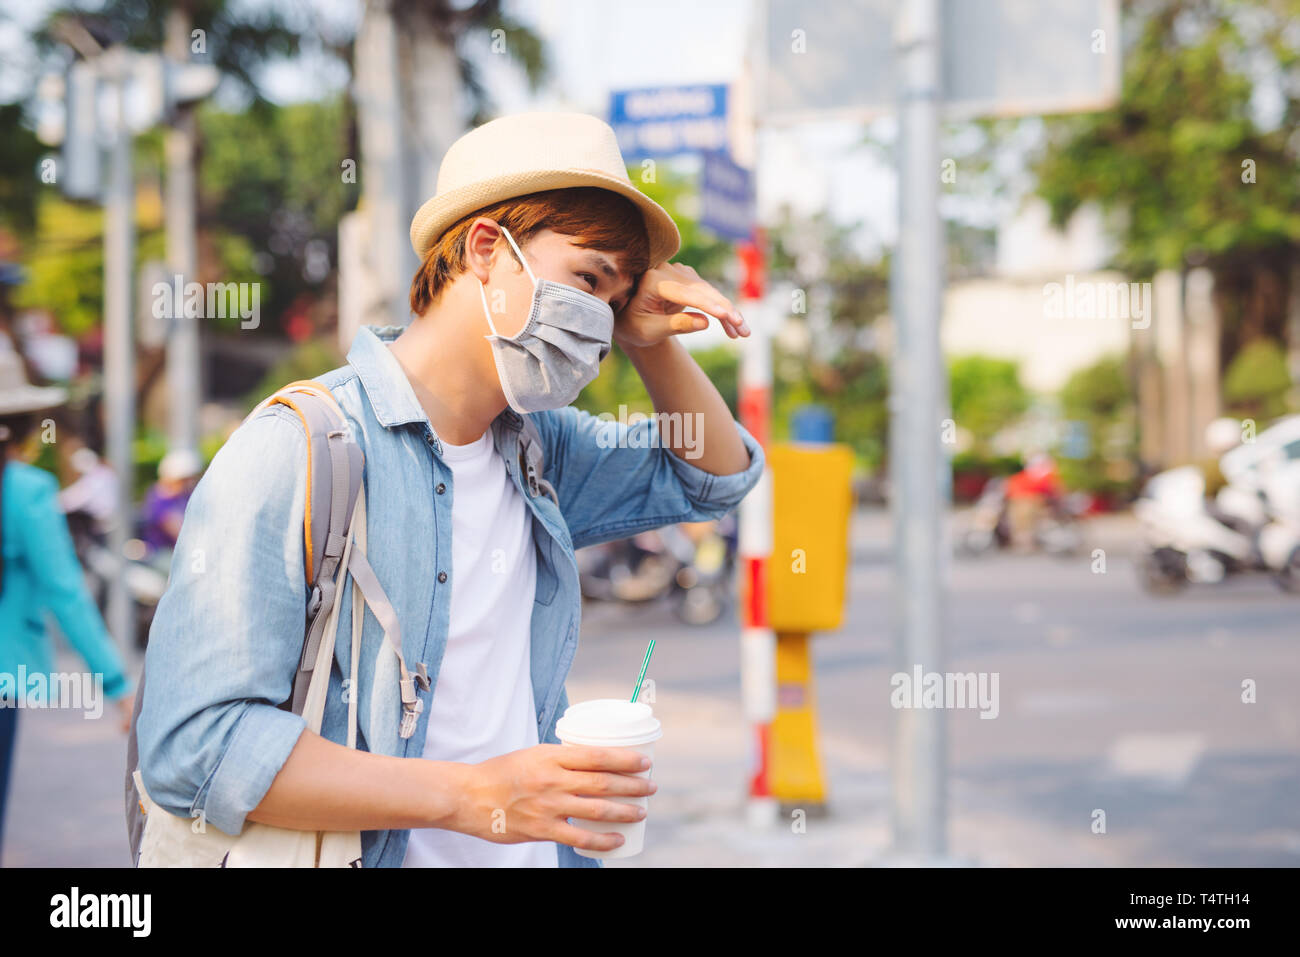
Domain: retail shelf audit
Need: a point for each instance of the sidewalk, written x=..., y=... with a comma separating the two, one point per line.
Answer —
x=695, y=822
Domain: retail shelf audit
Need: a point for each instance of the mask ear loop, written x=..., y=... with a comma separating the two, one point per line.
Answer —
x=482, y=294
x=522, y=261
x=482, y=287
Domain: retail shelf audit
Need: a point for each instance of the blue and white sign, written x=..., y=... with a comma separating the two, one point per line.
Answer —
x=726, y=197
x=662, y=121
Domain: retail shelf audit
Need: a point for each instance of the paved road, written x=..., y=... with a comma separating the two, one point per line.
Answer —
x=1109, y=699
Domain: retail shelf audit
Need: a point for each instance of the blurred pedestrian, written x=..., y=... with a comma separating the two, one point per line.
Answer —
x=93, y=492
x=164, y=505
x=1030, y=493
x=39, y=571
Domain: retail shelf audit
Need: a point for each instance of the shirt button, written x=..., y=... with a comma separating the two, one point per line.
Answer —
x=441, y=488
x=442, y=576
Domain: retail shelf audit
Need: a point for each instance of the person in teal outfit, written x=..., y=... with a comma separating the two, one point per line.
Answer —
x=40, y=574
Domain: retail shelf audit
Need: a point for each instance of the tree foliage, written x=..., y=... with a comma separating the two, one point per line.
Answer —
x=1257, y=382
x=986, y=396
x=1188, y=163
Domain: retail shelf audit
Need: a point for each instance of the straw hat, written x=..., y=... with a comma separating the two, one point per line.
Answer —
x=528, y=152
x=19, y=395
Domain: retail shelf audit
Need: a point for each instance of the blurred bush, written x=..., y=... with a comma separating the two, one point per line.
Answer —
x=986, y=397
x=1257, y=382
x=1100, y=396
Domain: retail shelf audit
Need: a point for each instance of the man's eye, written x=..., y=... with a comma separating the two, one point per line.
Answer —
x=590, y=277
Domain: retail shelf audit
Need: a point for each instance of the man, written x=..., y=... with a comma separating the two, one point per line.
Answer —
x=1029, y=495
x=536, y=252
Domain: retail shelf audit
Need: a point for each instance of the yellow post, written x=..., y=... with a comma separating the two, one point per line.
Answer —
x=812, y=503
x=796, y=766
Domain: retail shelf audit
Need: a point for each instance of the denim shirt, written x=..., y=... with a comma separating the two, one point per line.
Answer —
x=228, y=632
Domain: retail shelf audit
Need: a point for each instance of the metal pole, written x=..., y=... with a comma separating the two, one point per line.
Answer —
x=119, y=375
x=184, y=368
x=917, y=407
x=757, y=639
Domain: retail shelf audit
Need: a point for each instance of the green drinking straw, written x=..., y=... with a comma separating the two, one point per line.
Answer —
x=650, y=650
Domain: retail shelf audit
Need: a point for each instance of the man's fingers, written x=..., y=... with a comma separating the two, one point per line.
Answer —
x=687, y=322
x=594, y=809
x=702, y=296
x=605, y=783
x=566, y=833
x=583, y=758
x=698, y=294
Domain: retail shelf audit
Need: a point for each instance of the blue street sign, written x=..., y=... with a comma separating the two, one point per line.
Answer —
x=726, y=197
x=1076, y=443
x=662, y=121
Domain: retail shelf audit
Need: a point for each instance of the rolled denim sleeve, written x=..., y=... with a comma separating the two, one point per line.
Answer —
x=614, y=480
x=228, y=632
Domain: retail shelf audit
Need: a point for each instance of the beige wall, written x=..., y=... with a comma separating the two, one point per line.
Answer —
x=1007, y=318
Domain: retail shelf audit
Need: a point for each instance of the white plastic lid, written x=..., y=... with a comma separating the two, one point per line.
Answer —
x=608, y=722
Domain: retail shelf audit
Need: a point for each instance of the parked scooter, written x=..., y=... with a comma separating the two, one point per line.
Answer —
x=692, y=566
x=1252, y=524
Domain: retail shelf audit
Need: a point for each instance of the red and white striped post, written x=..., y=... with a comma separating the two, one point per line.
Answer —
x=757, y=640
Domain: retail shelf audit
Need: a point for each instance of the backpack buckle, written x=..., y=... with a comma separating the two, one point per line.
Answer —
x=314, y=602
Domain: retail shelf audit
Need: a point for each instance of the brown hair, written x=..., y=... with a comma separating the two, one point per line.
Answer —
x=596, y=218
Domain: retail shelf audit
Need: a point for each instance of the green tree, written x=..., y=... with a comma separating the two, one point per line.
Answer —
x=1100, y=397
x=837, y=295
x=20, y=152
x=270, y=199
x=1257, y=381
x=237, y=38
x=1192, y=174
x=986, y=397
x=65, y=265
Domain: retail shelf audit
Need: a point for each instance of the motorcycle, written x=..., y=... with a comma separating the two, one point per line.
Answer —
x=1056, y=532
x=690, y=565
x=1251, y=525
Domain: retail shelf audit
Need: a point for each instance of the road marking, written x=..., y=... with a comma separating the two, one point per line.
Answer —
x=1165, y=758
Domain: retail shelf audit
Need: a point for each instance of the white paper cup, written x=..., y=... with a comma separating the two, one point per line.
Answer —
x=613, y=723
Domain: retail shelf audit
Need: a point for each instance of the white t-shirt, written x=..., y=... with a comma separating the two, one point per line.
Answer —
x=483, y=700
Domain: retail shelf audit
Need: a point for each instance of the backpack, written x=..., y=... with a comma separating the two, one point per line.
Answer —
x=335, y=467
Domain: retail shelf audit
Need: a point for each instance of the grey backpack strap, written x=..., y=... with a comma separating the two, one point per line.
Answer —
x=134, y=812
x=332, y=494
x=335, y=469
x=335, y=466
x=532, y=454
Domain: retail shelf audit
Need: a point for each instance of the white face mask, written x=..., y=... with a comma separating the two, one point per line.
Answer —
x=558, y=351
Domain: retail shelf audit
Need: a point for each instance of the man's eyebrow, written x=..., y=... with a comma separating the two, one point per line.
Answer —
x=597, y=261
x=602, y=263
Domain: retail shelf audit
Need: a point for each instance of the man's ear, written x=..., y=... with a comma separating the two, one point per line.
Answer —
x=480, y=247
